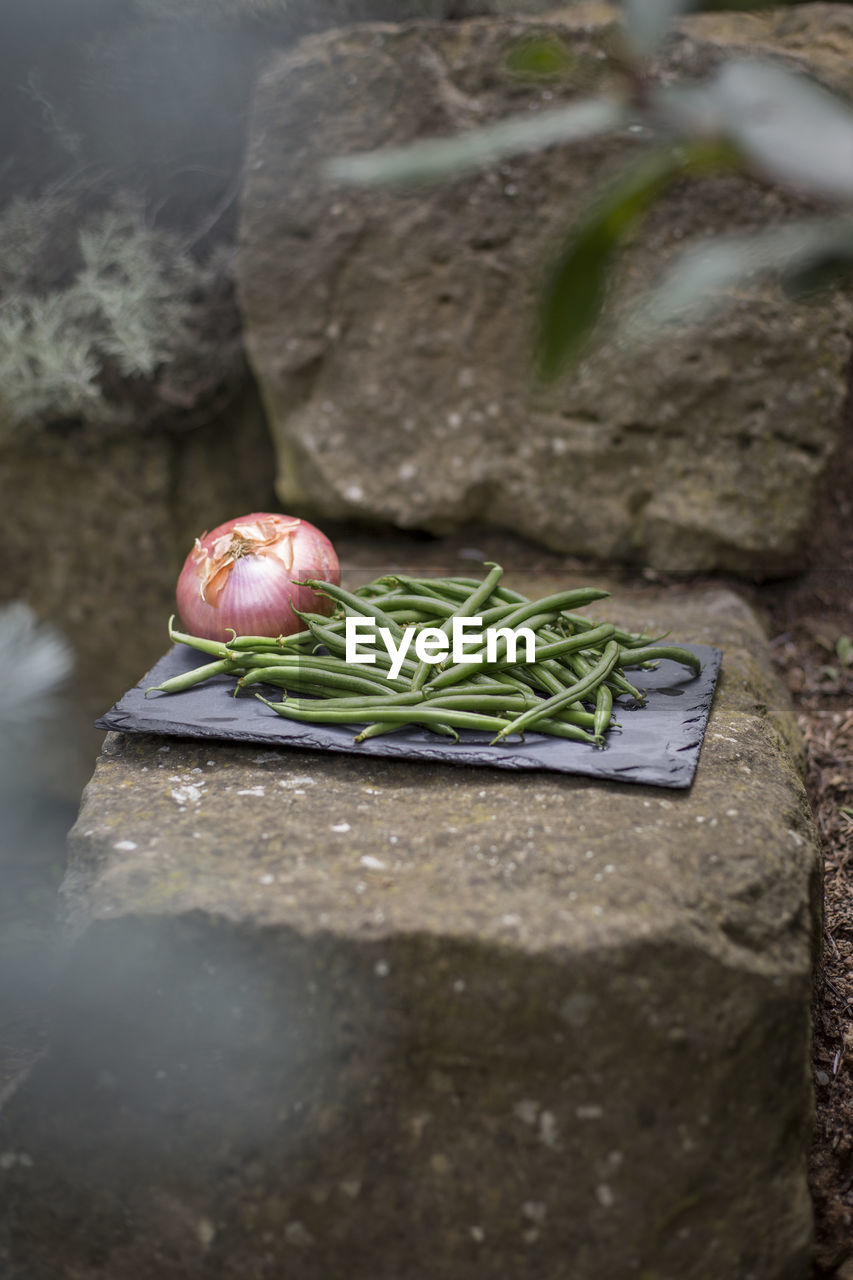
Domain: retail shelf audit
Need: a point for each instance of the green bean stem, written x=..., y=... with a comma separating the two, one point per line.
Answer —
x=656, y=652
x=451, y=675
x=356, y=605
x=601, y=669
x=419, y=714
x=467, y=609
x=186, y=680
x=380, y=726
x=319, y=677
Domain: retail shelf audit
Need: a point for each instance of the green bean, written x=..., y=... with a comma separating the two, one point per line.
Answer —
x=501, y=675
x=328, y=636
x=616, y=681
x=653, y=653
x=301, y=661
x=572, y=643
x=567, y=729
x=418, y=714
x=625, y=638
x=422, y=588
x=323, y=679
x=603, y=710
x=485, y=702
x=551, y=727
x=456, y=587
x=375, y=588
x=214, y=647
x=427, y=605
x=355, y=604
x=540, y=677
x=380, y=727
x=336, y=625
x=450, y=675
x=381, y=659
x=461, y=702
x=555, y=603
x=536, y=613
x=474, y=644
x=238, y=643
x=547, y=676
x=186, y=680
x=436, y=587
x=602, y=668
x=365, y=702
x=482, y=685
x=403, y=617
x=336, y=644
x=467, y=609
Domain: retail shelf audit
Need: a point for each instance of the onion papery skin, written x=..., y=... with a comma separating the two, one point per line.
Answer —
x=240, y=577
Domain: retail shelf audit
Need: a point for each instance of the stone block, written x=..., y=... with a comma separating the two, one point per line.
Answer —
x=390, y=330
x=386, y=1020
x=96, y=529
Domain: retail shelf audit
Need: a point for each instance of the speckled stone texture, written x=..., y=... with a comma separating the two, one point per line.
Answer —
x=327, y=1017
x=390, y=330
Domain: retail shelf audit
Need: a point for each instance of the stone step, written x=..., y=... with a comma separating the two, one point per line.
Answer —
x=385, y=1020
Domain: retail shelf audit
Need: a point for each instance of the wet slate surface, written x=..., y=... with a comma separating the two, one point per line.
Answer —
x=657, y=744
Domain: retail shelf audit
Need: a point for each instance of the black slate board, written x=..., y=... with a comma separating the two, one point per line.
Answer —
x=658, y=745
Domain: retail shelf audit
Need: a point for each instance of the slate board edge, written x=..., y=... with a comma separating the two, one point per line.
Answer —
x=676, y=769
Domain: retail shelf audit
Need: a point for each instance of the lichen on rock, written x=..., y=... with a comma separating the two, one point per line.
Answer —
x=105, y=319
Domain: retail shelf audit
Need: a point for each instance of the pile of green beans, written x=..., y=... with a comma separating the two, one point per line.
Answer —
x=568, y=690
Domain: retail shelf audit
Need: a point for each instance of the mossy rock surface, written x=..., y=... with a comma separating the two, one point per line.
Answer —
x=325, y=1016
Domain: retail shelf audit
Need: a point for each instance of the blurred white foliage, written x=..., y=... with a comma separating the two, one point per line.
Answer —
x=40, y=661
x=126, y=303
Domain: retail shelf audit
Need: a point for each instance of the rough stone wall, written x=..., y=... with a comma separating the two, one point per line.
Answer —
x=390, y=331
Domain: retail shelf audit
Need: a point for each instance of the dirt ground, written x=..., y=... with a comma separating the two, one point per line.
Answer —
x=810, y=621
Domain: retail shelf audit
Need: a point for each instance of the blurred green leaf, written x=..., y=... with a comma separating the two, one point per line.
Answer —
x=647, y=22
x=541, y=57
x=447, y=157
x=576, y=286
x=844, y=650
x=789, y=129
x=703, y=276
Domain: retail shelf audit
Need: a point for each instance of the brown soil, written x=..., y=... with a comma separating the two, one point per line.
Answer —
x=809, y=620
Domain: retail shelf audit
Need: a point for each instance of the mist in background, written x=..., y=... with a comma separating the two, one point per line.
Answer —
x=103, y=104
x=37, y=664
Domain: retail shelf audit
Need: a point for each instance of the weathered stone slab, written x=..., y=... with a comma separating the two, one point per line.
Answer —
x=332, y=1017
x=390, y=331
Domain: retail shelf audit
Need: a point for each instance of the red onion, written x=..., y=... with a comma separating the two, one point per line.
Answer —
x=242, y=574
